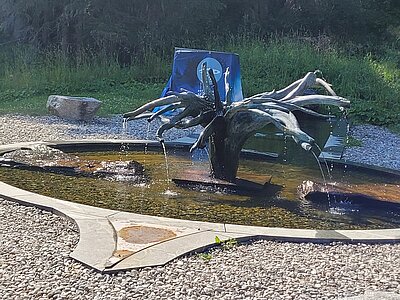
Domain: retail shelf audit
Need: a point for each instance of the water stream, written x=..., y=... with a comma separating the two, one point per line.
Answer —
x=147, y=138
x=320, y=167
x=325, y=162
x=125, y=126
x=168, y=190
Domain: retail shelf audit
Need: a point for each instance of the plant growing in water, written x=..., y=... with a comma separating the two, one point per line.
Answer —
x=227, y=125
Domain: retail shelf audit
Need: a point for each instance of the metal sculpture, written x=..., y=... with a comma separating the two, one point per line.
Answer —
x=227, y=125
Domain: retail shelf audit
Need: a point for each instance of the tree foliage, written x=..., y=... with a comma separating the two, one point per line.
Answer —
x=130, y=27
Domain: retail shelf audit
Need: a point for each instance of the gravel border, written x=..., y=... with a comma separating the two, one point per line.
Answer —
x=35, y=247
x=20, y=128
x=380, y=147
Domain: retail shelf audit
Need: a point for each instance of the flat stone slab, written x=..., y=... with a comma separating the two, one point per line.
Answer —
x=133, y=237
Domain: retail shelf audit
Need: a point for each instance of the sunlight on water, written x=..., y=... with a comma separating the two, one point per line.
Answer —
x=276, y=208
x=170, y=193
x=342, y=207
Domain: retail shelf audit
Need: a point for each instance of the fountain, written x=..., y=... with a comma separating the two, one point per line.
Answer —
x=240, y=178
x=228, y=125
x=242, y=186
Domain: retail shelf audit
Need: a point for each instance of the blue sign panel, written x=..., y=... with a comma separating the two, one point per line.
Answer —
x=187, y=69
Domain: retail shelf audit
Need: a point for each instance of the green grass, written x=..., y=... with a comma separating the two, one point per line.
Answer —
x=353, y=142
x=372, y=83
x=26, y=84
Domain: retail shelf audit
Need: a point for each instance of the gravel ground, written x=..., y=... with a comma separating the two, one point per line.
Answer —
x=34, y=249
x=379, y=147
x=16, y=128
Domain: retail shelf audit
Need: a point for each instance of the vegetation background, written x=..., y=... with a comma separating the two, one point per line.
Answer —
x=121, y=51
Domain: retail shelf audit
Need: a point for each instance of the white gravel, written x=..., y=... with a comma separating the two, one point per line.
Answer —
x=34, y=264
x=17, y=128
x=34, y=249
x=379, y=147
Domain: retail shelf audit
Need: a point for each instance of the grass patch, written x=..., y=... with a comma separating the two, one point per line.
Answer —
x=27, y=80
x=353, y=142
x=372, y=83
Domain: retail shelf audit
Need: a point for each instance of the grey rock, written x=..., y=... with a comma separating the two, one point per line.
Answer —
x=73, y=108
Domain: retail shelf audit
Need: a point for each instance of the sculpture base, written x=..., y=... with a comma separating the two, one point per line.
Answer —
x=200, y=179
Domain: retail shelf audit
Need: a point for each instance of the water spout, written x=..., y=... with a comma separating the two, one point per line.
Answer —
x=326, y=163
x=125, y=126
x=162, y=142
x=306, y=146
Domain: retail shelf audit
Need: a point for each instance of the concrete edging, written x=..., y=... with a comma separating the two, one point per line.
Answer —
x=99, y=241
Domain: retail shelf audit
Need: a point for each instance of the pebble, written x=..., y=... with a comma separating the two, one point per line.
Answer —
x=34, y=247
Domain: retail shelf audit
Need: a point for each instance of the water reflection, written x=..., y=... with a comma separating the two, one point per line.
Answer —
x=279, y=205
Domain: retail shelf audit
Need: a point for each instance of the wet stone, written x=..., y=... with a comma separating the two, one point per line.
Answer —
x=43, y=158
x=145, y=234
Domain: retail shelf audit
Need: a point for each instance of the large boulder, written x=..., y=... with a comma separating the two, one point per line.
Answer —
x=73, y=108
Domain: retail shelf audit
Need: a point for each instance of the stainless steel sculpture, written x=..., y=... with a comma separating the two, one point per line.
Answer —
x=227, y=125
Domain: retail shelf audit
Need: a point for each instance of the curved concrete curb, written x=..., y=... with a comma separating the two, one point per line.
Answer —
x=99, y=240
x=101, y=247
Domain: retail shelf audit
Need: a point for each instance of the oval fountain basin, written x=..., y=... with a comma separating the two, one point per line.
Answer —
x=278, y=205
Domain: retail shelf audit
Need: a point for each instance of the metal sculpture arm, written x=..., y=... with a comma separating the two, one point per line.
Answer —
x=193, y=106
x=227, y=125
x=274, y=107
